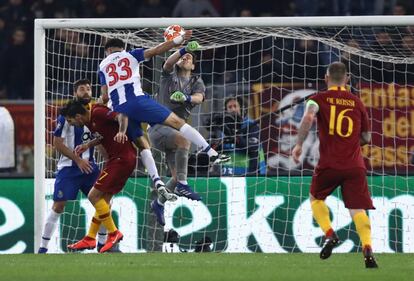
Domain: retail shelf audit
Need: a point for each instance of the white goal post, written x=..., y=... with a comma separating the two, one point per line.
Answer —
x=247, y=29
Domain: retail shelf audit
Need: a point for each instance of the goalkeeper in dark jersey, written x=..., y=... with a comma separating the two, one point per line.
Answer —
x=343, y=127
x=180, y=91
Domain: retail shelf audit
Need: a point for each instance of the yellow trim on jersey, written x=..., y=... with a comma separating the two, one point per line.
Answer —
x=337, y=88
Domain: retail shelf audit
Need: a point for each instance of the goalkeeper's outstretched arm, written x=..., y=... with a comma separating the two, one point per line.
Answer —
x=168, y=66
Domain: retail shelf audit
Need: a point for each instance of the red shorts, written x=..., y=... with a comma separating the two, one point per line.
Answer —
x=353, y=182
x=115, y=174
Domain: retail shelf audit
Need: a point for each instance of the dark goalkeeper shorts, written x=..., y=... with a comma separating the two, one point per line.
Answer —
x=115, y=174
x=353, y=182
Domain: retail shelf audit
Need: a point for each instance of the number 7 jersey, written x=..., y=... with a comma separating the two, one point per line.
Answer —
x=341, y=119
x=120, y=72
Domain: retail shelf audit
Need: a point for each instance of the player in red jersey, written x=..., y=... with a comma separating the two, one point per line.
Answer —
x=110, y=131
x=343, y=127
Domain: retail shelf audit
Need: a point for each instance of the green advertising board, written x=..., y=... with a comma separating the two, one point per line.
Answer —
x=239, y=215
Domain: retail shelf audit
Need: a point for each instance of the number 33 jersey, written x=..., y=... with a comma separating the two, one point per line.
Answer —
x=120, y=73
x=341, y=119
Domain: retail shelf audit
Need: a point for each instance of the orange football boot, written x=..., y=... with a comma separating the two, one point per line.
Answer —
x=112, y=239
x=86, y=243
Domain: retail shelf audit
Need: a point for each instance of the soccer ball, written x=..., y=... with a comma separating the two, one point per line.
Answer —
x=173, y=31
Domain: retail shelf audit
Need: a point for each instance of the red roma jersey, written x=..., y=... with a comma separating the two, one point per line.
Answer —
x=103, y=122
x=341, y=119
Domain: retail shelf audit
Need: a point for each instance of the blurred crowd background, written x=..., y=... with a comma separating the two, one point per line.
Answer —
x=227, y=71
x=16, y=22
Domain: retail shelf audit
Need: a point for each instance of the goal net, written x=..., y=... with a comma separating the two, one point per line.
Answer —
x=259, y=201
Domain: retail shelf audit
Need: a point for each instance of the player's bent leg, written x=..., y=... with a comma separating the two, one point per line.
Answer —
x=158, y=210
x=181, y=159
x=363, y=228
x=189, y=133
x=59, y=206
x=50, y=225
x=320, y=212
x=195, y=137
x=174, y=121
x=149, y=163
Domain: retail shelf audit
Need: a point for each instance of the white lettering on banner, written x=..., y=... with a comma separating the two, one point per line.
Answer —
x=239, y=227
x=305, y=233
x=127, y=213
x=380, y=222
x=14, y=219
x=200, y=214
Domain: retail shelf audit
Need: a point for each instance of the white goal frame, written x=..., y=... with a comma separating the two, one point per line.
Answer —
x=40, y=66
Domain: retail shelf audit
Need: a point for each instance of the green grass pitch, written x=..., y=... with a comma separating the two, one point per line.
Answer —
x=207, y=266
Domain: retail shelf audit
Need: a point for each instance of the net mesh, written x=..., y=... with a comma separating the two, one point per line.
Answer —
x=264, y=207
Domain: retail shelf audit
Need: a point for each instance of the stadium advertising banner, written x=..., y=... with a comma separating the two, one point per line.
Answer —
x=391, y=111
x=239, y=214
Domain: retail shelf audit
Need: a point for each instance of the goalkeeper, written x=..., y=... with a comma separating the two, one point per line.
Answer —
x=180, y=91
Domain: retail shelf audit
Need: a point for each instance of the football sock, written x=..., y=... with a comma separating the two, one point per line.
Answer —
x=102, y=234
x=321, y=214
x=170, y=185
x=104, y=214
x=363, y=227
x=181, y=163
x=149, y=163
x=49, y=228
x=93, y=228
x=195, y=137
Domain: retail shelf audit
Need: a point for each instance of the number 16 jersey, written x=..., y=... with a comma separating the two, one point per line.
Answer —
x=120, y=72
x=341, y=119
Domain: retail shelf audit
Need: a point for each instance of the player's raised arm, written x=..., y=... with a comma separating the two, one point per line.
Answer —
x=191, y=46
x=166, y=46
x=305, y=126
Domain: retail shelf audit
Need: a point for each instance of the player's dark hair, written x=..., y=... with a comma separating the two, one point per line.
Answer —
x=114, y=43
x=72, y=108
x=81, y=82
x=238, y=99
x=193, y=55
x=337, y=72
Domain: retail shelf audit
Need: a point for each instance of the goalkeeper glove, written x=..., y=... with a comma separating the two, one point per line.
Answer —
x=179, y=97
x=192, y=46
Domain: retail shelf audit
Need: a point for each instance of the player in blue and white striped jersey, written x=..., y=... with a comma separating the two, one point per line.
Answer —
x=121, y=88
x=74, y=172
